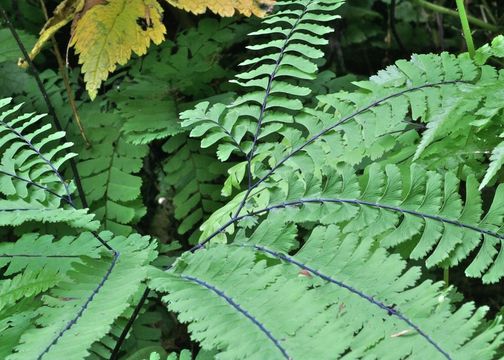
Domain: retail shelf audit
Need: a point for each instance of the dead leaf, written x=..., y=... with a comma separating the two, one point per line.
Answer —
x=225, y=7
x=107, y=35
x=401, y=333
x=62, y=15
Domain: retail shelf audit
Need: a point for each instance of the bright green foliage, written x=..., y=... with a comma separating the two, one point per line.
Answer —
x=14, y=322
x=103, y=348
x=31, y=251
x=225, y=291
x=252, y=293
x=109, y=172
x=456, y=97
x=421, y=208
x=497, y=160
x=32, y=186
x=239, y=283
x=272, y=85
x=27, y=284
x=120, y=277
x=337, y=203
x=372, y=124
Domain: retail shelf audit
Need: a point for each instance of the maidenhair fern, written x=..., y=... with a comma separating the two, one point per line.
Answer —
x=354, y=128
x=32, y=186
x=193, y=173
x=317, y=294
x=71, y=298
x=308, y=178
x=78, y=276
x=328, y=204
x=109, y=169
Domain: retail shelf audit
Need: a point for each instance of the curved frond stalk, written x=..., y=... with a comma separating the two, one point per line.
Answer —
x=273, y=89
x=417, y=205
x=306, y=290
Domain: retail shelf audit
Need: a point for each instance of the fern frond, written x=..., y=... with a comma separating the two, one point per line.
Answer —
x=314, y=295
x=14, y=322
x=109, y=171
x=272, y=86
x=104, y=348
x=192, y=172
x=147, y=117
x=455, y=96
x=34, y=253
x=393, y=205
x=27, y=284
x=78, y=306
x=32, y=186
x=496, y=162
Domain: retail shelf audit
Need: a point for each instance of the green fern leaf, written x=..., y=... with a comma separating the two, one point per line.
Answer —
x=78, y=306
x=30, y=175
x=395, y=205
x=243, y=289
x=14, y=322
x=272, y=86
x=34, y=253
x=109, y=171
x=496, y=162
x=192, y=173
x=27, y=284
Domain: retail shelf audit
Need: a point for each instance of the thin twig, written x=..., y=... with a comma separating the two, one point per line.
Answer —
x=131, y=320
x=443, y=10
x=64, y=74
x=392, y=8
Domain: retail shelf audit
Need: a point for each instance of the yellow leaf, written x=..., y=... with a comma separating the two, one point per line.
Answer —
x=225, y=7
x=107, y=34
x=62, y=15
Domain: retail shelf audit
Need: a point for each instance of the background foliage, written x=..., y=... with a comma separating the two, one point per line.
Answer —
x=369, y=180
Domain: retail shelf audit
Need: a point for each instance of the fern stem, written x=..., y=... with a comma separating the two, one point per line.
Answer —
x=240, y=309
x=131, y=320
x=446, y=11
x=446, y=276
x=83, y=308
x=47, y=100
x=388, y=309
x=466, y=28
x=264, y=104
x=9, y=256
x=346, y=119
x=352, y=202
